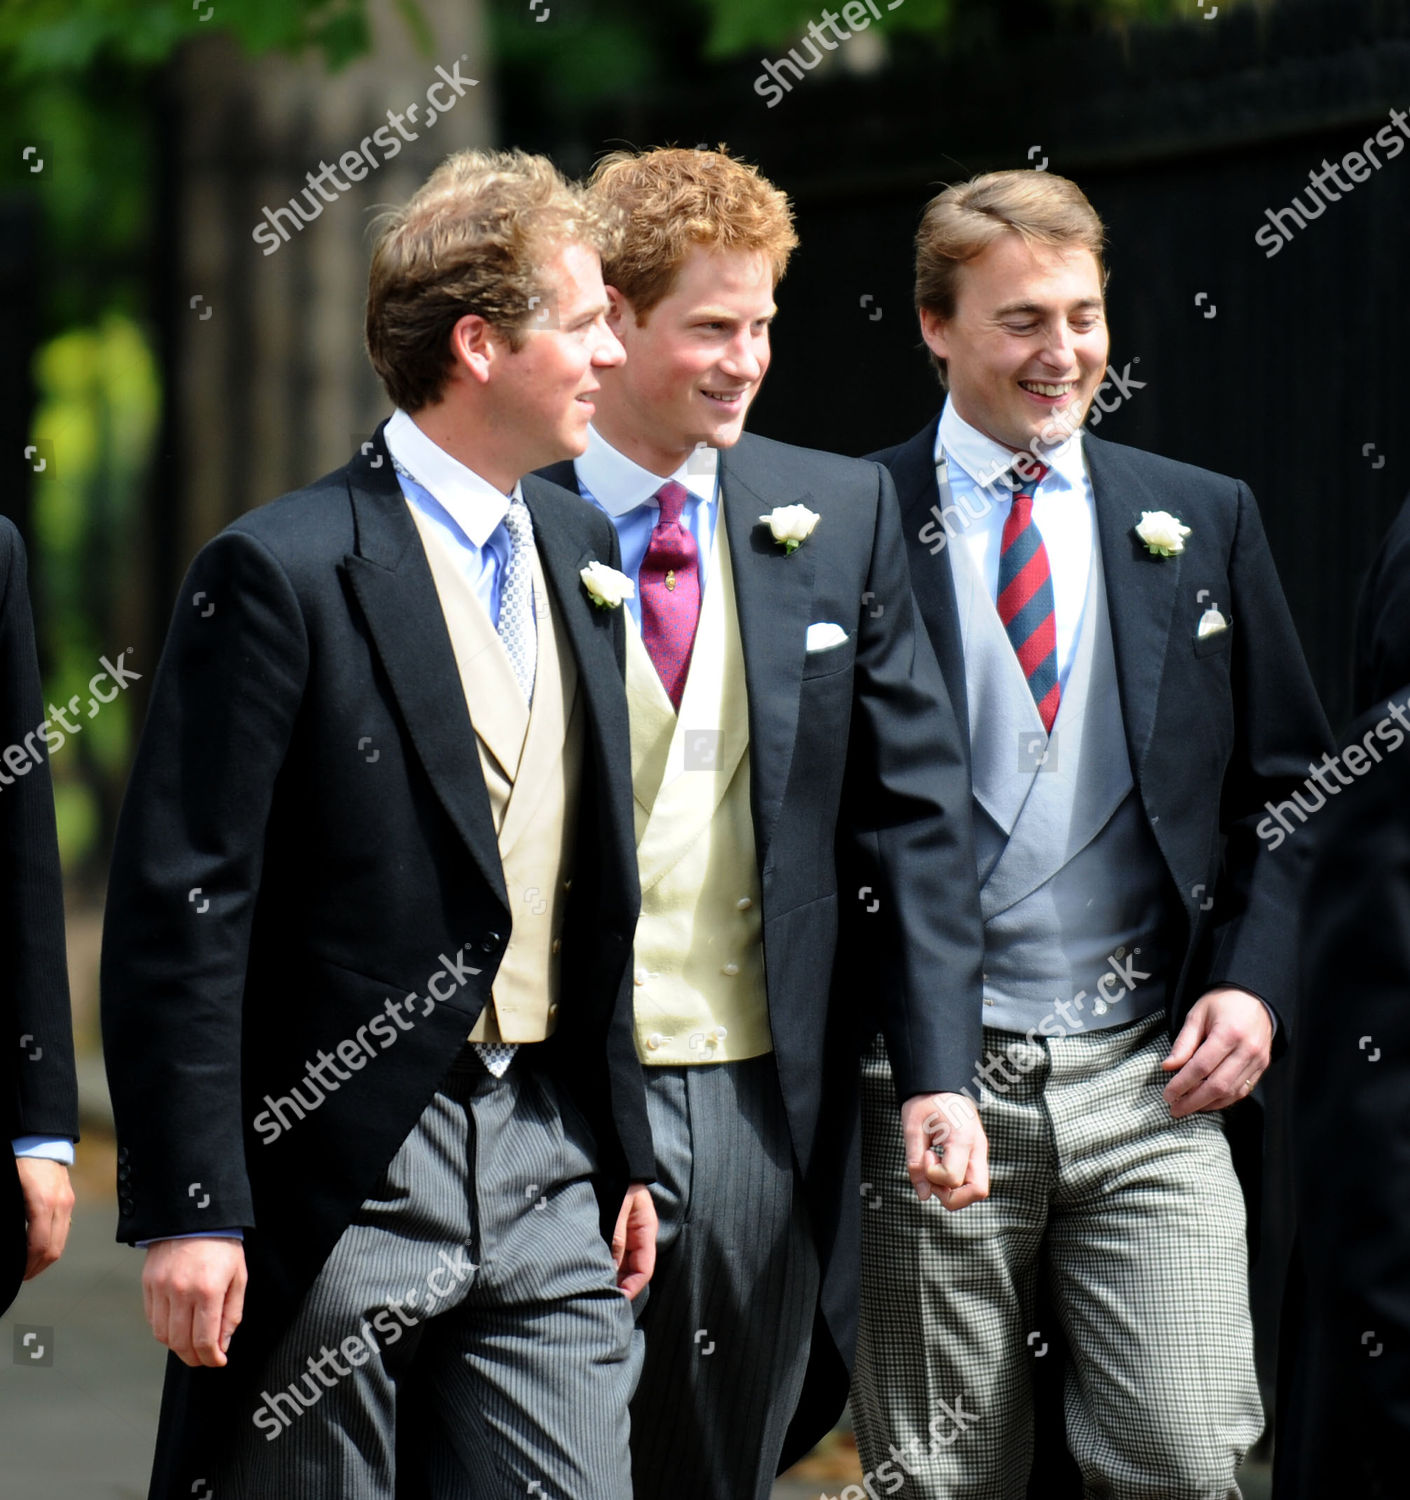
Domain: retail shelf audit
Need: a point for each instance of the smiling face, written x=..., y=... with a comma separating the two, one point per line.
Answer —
x=544, y=391
x=1027, y=346
x=694, y=364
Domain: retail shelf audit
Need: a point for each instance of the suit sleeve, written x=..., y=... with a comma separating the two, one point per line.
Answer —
x=1382, y=654
x=38, y=1069
x=1279, y=730
x=906, y=832
x=183, y=888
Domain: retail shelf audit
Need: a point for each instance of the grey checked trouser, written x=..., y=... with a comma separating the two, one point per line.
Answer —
x=1135, y=1221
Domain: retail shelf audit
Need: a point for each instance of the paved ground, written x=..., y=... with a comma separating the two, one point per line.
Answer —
x=76, y=1422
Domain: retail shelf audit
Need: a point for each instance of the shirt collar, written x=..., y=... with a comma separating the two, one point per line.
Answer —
x=620, y=484
x=472, y=502
x=986, y=461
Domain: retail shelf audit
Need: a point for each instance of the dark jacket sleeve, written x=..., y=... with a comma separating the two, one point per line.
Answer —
x=1280, y=730
x=41, y=1096
x=184, y=880
x=917, y=942
x=1382, y=659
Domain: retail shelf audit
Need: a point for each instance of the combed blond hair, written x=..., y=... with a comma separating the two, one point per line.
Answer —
x=670, y=200
x=473, y=239
x=964, y=220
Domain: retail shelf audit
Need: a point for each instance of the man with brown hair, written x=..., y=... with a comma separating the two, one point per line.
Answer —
x=800, y=817
x=1118, y=648
x=366, y=970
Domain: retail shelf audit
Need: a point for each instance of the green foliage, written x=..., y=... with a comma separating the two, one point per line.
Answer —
x=99, y=402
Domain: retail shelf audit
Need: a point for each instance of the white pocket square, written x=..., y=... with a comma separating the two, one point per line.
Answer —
x=1211, y=622
x=824, y=635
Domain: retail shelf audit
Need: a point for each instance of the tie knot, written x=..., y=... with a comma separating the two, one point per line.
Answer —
x=1028, y=474
x=518, y=523
x=671, y=497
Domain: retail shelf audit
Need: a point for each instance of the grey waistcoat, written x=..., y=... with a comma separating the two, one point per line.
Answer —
x=1072, y=885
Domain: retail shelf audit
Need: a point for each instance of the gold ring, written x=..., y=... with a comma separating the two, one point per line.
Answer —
x=1248, y=1083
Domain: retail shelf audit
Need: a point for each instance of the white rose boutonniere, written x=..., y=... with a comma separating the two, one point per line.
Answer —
x=791, y=524
x=1162, y=533
x=606, y=586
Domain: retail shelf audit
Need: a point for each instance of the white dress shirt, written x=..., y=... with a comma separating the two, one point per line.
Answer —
x=1063, y=512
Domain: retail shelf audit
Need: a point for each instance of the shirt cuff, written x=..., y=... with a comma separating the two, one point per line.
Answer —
x=199, y=1234
x=46, y=1148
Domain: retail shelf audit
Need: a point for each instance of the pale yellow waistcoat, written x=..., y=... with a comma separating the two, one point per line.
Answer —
x=700, y=994
x=532, y=764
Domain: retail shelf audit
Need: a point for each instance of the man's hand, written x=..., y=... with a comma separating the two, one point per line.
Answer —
x=634, y=1240
x=1222, y=1050
x=193, y=1292
x=958, y=1167
x=48, y=1210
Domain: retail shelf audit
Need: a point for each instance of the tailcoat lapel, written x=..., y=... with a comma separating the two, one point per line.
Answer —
x=391, y=580
x=773, y=594
x=563, y=530
x=932, y=574
x=1141, y=589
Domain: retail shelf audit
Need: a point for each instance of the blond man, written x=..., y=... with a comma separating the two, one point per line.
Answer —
x=802, y=837
x=370, y=915
x=1117, y=645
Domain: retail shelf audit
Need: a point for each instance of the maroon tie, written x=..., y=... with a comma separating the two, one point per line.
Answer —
x=1026, y=599
x=670, y=592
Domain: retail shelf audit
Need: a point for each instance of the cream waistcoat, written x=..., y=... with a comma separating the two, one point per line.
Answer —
x=532, y=764
x=700, y=994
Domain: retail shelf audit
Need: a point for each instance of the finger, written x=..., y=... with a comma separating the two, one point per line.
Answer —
x=234, y=1310
x=206, y=1316
x=619, y=1235
x=1185, y=1045
x=177, y=1325
x=949, y=1163
x=915, y=1155
x=1202, y=1065
x=37, y=1238
x=1231, y=1082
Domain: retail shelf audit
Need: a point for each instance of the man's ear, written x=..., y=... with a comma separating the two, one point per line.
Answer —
x=933, y=330
x=474, y=347
x=619, y=311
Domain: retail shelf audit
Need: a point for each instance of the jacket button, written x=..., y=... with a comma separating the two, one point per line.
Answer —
x=490, y=942
x=124, y=1172
x=127, y=1205
x=553, y=1009
x=557, y=945
x=640, y=976
x=654, y=1040
x=730, y=969
x=123, y=1153
x=743, y=904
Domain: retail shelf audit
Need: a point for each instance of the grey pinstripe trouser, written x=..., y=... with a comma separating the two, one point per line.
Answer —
x=472, y=1308
x=729, y=1313
x=1137, y=1222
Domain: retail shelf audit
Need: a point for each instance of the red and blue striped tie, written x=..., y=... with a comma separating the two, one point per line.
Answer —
x=1026, y=599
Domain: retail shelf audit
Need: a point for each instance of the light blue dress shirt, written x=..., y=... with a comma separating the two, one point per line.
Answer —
x=619, y=486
